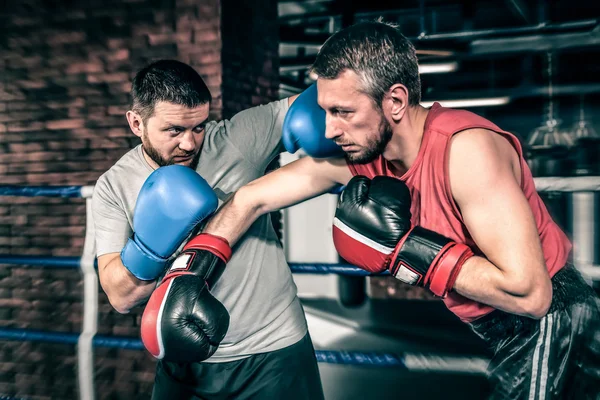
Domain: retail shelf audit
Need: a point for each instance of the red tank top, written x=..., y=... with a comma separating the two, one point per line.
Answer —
x=433, y=206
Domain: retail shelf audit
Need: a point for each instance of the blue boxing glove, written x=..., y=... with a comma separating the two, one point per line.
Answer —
x=172, y=201
x=304, y=127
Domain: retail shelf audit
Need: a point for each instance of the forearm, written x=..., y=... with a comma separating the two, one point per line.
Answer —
x=124, y=291
x=235, y=217
x=482, y=281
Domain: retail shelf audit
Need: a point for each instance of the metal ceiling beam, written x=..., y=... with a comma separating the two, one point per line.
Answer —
x=292, y=84
x=514, y=93
x=296, y=35
x=539, y=28
x=295, y=63
x=536, y=42
x=517, y=92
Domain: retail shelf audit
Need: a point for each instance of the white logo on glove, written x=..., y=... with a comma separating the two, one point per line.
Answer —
x=181, y=262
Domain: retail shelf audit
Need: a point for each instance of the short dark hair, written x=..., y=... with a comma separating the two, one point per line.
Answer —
x=378, y=53
x=167, y=80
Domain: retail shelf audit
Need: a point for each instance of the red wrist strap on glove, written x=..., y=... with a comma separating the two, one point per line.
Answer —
x=441, y=277
x=426, y=258
x=217, y=245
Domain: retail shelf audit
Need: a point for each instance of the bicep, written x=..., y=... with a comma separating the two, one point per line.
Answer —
x=296, y=182
x=493, y=206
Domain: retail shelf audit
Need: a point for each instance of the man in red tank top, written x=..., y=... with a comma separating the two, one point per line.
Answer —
x=442, y=199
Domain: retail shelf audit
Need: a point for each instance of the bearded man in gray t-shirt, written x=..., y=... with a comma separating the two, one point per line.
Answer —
x=266, y=351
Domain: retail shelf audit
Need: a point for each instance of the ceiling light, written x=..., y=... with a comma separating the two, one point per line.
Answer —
x=482, y=102
x=438, y=68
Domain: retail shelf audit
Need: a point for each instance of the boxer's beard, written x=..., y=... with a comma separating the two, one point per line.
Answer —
x=375, y=147
x=155, y=155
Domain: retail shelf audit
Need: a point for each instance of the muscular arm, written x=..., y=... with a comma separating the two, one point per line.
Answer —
x=296, y=182
x=485, y=182
x=124, y=291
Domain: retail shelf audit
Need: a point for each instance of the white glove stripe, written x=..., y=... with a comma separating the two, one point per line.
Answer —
x=159, y=338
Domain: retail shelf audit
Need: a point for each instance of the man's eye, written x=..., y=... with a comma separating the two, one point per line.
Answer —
x=199, y=129
x=174, y=130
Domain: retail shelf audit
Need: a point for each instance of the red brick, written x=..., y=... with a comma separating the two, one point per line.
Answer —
x=119, y=55
x=108, y=78
x=84, y=68
x=31, y=84
x=14, y=302
x=207, y=36
x=118, y=110
x=55, y=105
x=206, y=57
x=2, y=128
x=25, y=126
x=66, y=38
x=119, y=132
x=13, y=219
x=67, y=145
x=116, y=43
x=124, y=87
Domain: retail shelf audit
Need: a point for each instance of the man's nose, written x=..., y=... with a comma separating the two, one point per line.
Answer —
x=331, y=129
x=187, y=142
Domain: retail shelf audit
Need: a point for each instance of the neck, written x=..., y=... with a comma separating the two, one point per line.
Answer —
x=149, y=160
x=406, y=140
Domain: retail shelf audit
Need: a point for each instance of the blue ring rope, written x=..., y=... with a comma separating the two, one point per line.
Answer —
x=43, y=191
x=323, y=356
x=73, y=262
x=69, y=191
x=341, y=269
x=42, y=261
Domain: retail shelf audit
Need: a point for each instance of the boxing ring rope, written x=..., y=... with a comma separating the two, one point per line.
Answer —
x=86, y=264
x=88, y=339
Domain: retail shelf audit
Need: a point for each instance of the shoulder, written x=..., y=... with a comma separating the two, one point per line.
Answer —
x=479, y=158
x=452, y=120
x=479, y=143
x=125, y=172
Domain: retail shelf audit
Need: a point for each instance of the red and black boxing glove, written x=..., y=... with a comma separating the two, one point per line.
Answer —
x=182, y=321
x=372, y=230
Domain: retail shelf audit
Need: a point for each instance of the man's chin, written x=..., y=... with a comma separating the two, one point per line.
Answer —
x=356, y=157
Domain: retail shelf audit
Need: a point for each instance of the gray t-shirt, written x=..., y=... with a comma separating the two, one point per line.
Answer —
x=257, y=286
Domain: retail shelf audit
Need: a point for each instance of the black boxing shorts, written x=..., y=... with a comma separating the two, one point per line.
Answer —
x=555, y=357
x=290, y=373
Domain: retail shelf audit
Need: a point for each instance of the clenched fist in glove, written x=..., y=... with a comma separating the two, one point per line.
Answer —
x=372, y=230
x=182, y=321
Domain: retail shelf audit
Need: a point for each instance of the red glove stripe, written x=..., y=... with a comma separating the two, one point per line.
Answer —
x=364, y=254
x=150, y=326
x=215, y=244
x=443, y=276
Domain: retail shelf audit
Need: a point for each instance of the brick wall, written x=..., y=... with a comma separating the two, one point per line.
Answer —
x=65, y=75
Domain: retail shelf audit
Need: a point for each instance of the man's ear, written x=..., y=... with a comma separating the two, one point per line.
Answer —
x=136, y=124
x=397, y=101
